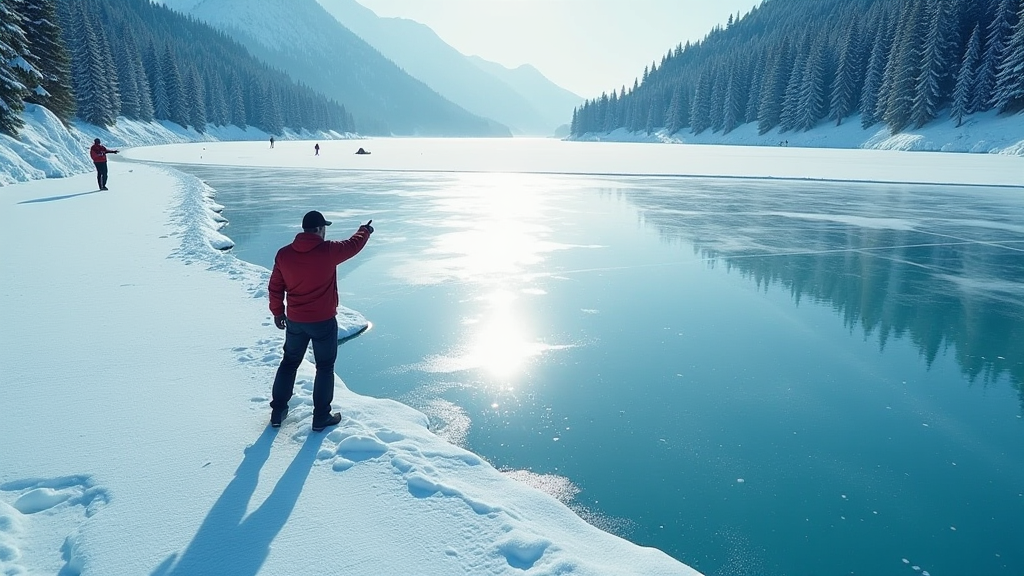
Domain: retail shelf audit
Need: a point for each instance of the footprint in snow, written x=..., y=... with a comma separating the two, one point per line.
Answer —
x=39, y=520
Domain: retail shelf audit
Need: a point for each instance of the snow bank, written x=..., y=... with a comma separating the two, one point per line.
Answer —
x=986, y=132
x=45, y=148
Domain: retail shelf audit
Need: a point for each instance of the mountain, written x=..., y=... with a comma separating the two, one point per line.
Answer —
x=522, y=99
x=299, y=36
x=555, y=102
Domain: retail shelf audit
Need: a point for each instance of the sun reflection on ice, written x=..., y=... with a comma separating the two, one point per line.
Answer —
x=498, y=342
x=490, y=230
x=493, y=233
x=503, y=345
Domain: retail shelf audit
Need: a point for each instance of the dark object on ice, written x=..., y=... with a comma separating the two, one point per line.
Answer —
x=361, y=151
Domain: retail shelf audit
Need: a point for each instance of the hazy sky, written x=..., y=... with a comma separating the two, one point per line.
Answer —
x=586, y=46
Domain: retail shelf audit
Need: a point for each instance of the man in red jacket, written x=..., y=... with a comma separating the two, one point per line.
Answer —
x=98, y=152
x=306, y=272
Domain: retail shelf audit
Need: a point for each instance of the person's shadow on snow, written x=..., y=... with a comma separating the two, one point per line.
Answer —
x=55, y=198
x=229, y=543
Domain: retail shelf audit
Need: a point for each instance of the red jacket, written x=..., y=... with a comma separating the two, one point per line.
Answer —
x=307, y=271
x=99, y=152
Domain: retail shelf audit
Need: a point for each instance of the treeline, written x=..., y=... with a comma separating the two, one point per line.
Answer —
x=795, y=63
x=98, y=60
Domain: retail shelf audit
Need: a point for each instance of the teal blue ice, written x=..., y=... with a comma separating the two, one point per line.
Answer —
x=757, y=377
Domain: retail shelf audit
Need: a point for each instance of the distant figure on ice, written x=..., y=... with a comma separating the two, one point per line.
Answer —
x=316, y=150
x=361, y=151
x=305, y=279
x=271, y=141
x=98, y=152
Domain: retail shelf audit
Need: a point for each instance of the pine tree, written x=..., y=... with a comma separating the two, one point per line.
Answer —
x=932, y=91
x=632, y=111
x=734, y=104
x=110, y=96
x=51, y=58
x=273, y=120
x=90, y=73
x=871, y=96
x=600, y=118
x=678, y=114
x=655, y=112
x=133, y=82
x=700, y=108
x=196, y=91
x=13, y=46
x=962, y=94
x=178, y=108
x=611, y=116
x=791, y=100
x=256, y=103
x=844, y=90
x=904, y=67
x=769, y=113
x=1009, y=93
x=152, y=64
x=216, y=103
x=718, y=85
x=811, y=106
x=999, y=30
x=754, y=92
x=131, y=99
x=146, y=111
x=632, y=115
x=236, y=102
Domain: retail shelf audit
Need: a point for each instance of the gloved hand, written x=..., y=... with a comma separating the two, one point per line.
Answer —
x=281, y=321
x=367, y=227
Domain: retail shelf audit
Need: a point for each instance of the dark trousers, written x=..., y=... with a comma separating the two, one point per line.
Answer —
x=101, y=174
x=298, y=335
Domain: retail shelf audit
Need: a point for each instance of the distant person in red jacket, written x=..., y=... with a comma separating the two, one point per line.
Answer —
x=98, y=153
x=306, y=274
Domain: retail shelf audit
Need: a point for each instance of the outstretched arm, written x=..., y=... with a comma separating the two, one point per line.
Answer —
x=346, y=249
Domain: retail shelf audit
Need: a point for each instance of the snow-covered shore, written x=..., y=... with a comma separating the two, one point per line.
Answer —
x=45, y=148
x=985, y=133
x=136, y=367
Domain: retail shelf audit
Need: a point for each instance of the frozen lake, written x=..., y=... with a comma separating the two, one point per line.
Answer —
x=793, y=377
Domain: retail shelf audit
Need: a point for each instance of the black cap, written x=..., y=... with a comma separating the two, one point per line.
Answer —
x=314, y=219
x=96, y=141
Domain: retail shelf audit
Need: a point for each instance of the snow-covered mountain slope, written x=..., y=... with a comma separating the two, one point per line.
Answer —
x=300, y=37
x=527, y=102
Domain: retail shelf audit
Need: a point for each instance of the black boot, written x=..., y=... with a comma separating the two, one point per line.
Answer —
x=278, y=416
x=331, y=420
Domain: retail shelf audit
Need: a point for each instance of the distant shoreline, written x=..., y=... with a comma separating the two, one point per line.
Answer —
x=984, y=133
